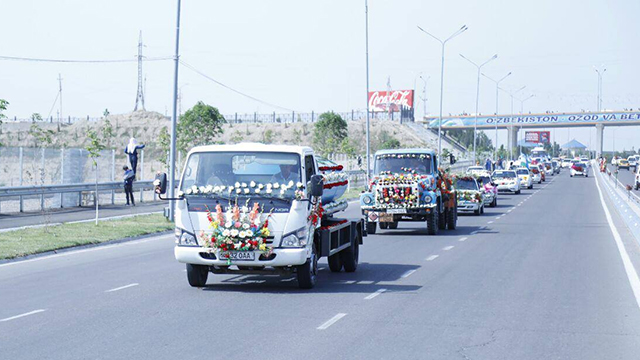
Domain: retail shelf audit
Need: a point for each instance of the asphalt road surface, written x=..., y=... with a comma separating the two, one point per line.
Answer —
x=539, y=277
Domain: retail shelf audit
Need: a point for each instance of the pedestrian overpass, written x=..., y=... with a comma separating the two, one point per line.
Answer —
x=513, y=123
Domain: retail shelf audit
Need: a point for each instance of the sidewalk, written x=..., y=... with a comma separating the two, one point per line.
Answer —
x=56, y=216
x=626, y=204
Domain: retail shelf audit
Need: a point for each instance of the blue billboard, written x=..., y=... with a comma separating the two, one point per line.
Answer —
x=538, y=120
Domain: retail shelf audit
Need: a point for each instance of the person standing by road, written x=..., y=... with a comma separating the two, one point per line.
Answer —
x=129, y=175
x=132, y=151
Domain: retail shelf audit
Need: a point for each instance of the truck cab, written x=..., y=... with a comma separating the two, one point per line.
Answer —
x=260, y=209
x=407, y=186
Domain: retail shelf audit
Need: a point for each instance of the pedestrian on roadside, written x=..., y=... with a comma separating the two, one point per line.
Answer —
x=132, y=151
x=129, y=176
x=487, y=165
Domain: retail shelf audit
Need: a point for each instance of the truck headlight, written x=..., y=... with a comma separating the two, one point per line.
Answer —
x=427, y=199
x=186, y=239
x=367, y=200
x=296, y=238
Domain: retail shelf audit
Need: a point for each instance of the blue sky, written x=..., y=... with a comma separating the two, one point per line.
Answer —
x=309, y=55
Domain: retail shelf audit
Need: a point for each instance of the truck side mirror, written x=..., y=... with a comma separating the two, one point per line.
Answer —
x=160, y=184
x=316, y=185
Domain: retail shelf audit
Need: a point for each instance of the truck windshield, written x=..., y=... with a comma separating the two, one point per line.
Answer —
x=260, y=173
x=403, y=163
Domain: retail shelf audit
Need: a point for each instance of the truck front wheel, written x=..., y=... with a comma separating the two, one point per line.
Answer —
x=308, y=272
x=432, y=222
x=371, y=227
x=197, y=275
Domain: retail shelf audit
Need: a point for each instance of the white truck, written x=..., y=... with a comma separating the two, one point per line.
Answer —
x=261, y=209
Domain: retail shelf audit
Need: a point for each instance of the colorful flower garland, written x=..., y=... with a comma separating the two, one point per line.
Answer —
x=469, y=195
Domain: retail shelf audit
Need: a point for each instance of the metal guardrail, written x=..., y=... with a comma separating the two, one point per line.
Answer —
x=42, y=190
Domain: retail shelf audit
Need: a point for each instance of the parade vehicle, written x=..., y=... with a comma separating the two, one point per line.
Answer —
x=526, y=180
x=475, y=170
x=633, y=161
x=506, y=180
x=614, y=160
x=543, y=175
x=548, y=168
x=623, y=164
x=556, y=167
x=407, y=186
x=579, y=169
x=261, y=209
x=540, y=152
x=469, y=195
x=566, y=162
x=490, y=191
x=535, y=174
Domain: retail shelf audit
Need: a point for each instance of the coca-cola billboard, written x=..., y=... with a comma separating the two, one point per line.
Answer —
x=390, y=100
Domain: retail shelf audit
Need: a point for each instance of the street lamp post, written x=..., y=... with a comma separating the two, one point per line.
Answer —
x=172, y=150
x=475, y=123
x=424, y=95
x=366, y=15
x=495, y=147
x=443, y=43
x=522, y=111
x=512, y=94
x=600, y=72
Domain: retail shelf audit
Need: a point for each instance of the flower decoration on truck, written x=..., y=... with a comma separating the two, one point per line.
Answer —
x=397, y=196
x=251, y=188
x=403, y=156
x=237, y=229
x=334, y=179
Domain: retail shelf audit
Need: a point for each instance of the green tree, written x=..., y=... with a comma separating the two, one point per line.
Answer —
x=200, y=125
x=3, y=107
x=329, y=133
x=236, y=137
x=164, y=143
x=267, y=136
x=106, y=113
x=108, y=133
x=41, y=137
x=36, y=117
x=386, y=141
x=94, y=148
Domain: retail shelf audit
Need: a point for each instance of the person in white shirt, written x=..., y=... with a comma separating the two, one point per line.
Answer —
x=287, y=173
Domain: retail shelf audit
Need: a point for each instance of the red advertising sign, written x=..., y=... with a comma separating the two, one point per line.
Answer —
x=383, y=100
x=537, y=137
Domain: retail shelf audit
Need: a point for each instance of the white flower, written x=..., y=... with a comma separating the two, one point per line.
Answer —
x=181, y=193
x=237, y=184
x=226, y=233
x=269, y=191
x=290, y=184
x=256, y=222
x=257, y=191
x=156, y=182
x=244, y=209
x=269, y=186
x=189, y=191
x=228, y=224
x=252, y=184
x=238, y=191
x=236, y=246
x=282, y=191
x=260, y=186
x=245, y=226
x=244, y=185
x=299, y=185
x=246, y=191
x=217, y=189
x=194, y=189
x=222, y=187
x=241, y=234
x=276, y=185
x=234, y=233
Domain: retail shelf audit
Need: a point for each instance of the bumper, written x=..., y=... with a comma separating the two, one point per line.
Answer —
x=468, y=207
x=284, y=257
x=577, y=173
x=510, y=188
x=374, y=214
x=487, y=200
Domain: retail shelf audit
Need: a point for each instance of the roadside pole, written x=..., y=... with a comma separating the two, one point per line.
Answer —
x=366, y=12
x=172, y=160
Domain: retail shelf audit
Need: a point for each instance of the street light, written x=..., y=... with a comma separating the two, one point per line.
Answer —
x=366, y=17
x=495, y=148
x=600, y=73
x=424, y=94
x=475, y=123
x=172, y=149
x=458, y=32
x=521, y=112
x=511, y=93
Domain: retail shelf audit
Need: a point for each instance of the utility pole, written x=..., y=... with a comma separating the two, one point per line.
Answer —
x=140, y=92
x=366, y=16
x=60, y=97
x=172, y=152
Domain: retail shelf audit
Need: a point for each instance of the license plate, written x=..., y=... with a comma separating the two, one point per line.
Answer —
x=385, y=218
x=396, y=211
x=240, y=255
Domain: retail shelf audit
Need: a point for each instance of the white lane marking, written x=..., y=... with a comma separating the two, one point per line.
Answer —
x=365, y=282
x=490, y=222
x=474, y=232
x=463, y=239
x=91, y=249
x=123, y=287
x=349, y=282
x=447, y=248
x=432, y=257
x=378, y=292
x=23, y=315
x=632, y=275
x=510, y=210
x=408, y=273
x=287, y=280
x=498, y=217
x=331, y=321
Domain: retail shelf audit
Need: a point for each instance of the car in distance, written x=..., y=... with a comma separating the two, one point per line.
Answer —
x=469, y=195
x=542, y=172
x=579, y=169
x=637, y=185
x=526, y=180
x=566, y=162
x=633, y=161
x=506, y=180
x=536, y=177
x=476, y=170
x=623, y=164
x=490, y=195
x=556, y=167
x=548, y=168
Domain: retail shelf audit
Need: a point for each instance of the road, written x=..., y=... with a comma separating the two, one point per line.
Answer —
x=16, y=220
x=539, y=277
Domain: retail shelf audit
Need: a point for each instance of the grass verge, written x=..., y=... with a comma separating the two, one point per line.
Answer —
x=353, y=193
x=37, y=240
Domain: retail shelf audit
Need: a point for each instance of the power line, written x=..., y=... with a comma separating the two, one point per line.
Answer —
x=230, y=88
x=99, y=61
